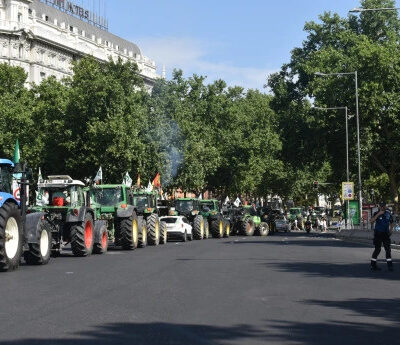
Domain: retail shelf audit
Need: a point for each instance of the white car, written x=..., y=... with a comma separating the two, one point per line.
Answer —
x=178, y=228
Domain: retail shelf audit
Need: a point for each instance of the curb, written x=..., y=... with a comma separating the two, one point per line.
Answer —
x=365, y=237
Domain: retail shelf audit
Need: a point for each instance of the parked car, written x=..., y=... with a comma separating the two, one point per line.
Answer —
x=178, y=228
x=281, y=224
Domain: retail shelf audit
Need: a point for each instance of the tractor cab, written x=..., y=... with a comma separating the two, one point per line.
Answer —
x=6, y=176
x=110, y=195
x=60, y=192
x=144, y=202
x=209, y=207
x=187, y=207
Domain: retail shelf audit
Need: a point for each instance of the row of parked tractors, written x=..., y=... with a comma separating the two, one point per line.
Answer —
x=90, y=218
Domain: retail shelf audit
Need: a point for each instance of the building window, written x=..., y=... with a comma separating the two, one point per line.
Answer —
x=42, y=75
x=30, y=11
x=19, y=17
x=46, y=18
x=21, y=51
x=71, y=28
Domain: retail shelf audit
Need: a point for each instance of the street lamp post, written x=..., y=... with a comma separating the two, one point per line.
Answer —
x=358, y=132
x=347, y=149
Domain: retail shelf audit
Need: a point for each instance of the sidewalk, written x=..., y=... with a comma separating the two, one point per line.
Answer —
x=365, y=236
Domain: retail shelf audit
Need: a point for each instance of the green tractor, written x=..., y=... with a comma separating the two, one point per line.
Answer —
x=247, y=222
x=68, y=214
x=219, y=227
x=190, y=208
x=296, y=218
x=113, y=204
x=147, y=206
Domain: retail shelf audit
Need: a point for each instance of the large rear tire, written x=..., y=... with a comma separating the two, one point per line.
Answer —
x=82, y=237
x=198, y=228
x=263, y=229
x=102, y=246
x=142, y=233
x=11, y=237
x=39, y=253
x=164, y=233
x=247, y=227
x=153, y=230
x=129, y=232
x=217, y=228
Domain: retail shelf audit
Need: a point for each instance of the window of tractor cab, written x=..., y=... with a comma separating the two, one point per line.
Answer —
x=140, y=201
x=108, y=196
x=184, y=205
x=59, y=196
x=170, y=220
x=5, y=179
x=208, y=205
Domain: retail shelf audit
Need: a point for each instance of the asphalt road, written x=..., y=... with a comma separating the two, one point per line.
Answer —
x=285, y=289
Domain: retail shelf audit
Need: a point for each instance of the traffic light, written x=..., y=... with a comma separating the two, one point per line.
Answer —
x=315, y=184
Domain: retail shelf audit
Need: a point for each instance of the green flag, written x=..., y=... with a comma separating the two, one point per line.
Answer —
x=17, y=156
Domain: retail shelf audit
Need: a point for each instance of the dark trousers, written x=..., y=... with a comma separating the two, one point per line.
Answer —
x=379, y=239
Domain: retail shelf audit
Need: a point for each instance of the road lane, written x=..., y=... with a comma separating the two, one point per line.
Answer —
x=284, y=289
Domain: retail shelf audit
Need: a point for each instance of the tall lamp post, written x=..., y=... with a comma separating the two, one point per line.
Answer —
x=355, y=73
x=347, y=149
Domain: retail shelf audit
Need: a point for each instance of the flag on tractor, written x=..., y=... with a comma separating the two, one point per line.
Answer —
x=40, y=177
x=138, y=182
x=226, y=202
x=237, y=202
x=127, y=181
x=149, y=187
x=99, y=176
x=157, y=181
x=17, y=155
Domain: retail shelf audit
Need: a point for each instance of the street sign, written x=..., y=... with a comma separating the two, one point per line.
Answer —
x=348, y=190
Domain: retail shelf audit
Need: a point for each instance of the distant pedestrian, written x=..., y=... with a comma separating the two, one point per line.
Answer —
x=383, y=227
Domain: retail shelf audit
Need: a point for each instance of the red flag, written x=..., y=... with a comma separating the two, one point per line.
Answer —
x=157, y=181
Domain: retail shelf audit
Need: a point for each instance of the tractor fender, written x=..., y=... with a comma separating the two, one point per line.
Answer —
x=5, y=197
x=80, y=218
x=98, y=224
x=126, y=212
x=32, y=227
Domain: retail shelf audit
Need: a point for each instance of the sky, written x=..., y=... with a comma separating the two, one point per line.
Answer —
x=238, y=41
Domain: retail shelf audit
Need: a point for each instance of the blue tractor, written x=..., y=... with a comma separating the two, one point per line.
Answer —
x=21, y=234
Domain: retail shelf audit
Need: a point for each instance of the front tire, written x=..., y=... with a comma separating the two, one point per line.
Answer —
x=11, y=237
x=129, y=232
x=142, y=233
x=39, y=253
x=263, y=229
x=82, y=237
x=102, y=246
x=217, y=228
x=198, y=228
x=247, y=227
x=164, y=233
x=184, y=237
x=153, y=228
x=227, y=231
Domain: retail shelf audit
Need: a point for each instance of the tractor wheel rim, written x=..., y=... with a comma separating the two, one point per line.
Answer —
x=144, y=235
x=221, y=228
x=135, y=234
x=228, y=229
x=44, y=243
x=12, y=238
x=202, y=229
x=157, y=232
x=104, y=240
x=88, y=235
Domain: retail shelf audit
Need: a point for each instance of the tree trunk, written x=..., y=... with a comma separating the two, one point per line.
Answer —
x=394, y=191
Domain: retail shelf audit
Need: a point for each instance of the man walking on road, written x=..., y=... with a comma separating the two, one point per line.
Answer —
x=383, y=227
